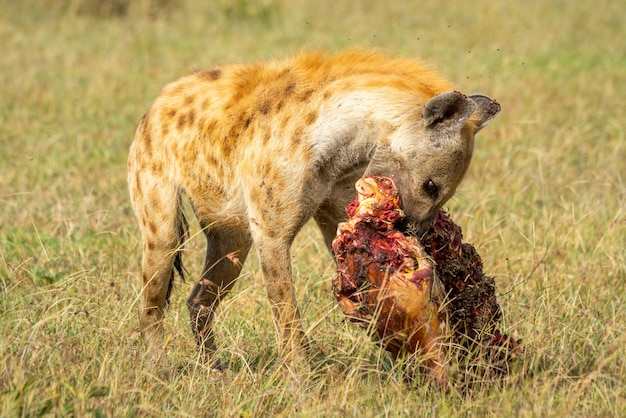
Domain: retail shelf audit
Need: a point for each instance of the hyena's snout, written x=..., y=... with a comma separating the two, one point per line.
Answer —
x=422, y=226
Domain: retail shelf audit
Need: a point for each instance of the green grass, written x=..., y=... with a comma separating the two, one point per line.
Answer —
x=544, y=202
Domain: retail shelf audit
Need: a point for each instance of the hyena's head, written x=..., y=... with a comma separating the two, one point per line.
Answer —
x=428, y=157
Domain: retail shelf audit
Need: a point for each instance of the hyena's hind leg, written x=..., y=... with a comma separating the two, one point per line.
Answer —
x=226, y=252
x=156, y=203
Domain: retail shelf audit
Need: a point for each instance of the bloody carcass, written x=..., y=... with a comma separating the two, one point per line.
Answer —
x=415, y=296
x=385, y=278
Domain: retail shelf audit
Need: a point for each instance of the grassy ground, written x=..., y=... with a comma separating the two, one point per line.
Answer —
x=544, y=203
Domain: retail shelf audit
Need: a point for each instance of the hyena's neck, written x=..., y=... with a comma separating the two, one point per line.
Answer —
x=350, y=129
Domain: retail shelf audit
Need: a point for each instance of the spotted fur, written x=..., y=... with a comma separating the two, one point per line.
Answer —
x=258, y=149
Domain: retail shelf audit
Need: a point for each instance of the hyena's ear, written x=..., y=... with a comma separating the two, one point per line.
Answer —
x=448, y=111
x=486, y=111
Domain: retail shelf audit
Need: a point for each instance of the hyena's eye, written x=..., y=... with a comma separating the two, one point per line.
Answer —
x=431, y=188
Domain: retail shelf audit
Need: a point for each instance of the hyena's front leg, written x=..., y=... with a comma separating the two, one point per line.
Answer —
x=276, y=268
x=226, y=251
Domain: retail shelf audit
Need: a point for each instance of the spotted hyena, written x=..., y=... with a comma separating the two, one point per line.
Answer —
x=259, y=149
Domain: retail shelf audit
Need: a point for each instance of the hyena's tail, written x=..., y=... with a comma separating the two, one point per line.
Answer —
x=182, y=236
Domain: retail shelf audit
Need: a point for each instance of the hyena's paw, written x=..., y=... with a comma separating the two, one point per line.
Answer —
x=156, y=362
